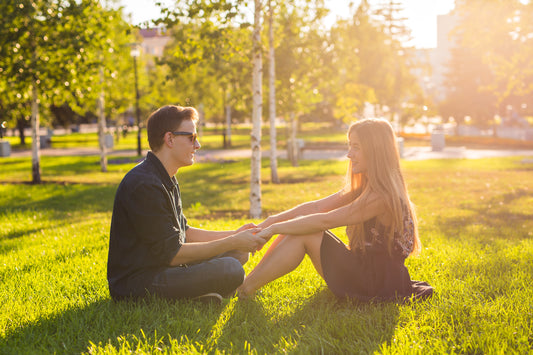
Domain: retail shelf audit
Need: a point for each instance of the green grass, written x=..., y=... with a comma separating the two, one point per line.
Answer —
x=315, y=135
x=476, y=224
x=211, y=138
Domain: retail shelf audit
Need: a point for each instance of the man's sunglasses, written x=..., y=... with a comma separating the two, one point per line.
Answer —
x=192, y=136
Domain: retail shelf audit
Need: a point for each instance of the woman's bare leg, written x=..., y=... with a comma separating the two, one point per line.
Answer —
x=283, y=256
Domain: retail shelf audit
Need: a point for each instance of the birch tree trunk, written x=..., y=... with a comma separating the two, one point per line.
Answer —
x=102, y=126
x=293, y=141
x=255, y=178
x=272, y=98
x=227, y=107
x=201, y=120
x=35, y=138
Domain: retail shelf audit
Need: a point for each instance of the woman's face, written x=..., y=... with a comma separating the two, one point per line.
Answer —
x=355, y=154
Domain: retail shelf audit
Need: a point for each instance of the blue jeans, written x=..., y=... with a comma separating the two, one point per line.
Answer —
x=221, y=275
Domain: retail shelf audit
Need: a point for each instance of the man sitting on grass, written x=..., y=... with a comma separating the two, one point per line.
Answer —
x=152, y=249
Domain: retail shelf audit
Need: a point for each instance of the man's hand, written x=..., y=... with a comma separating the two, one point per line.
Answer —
x=248, y=241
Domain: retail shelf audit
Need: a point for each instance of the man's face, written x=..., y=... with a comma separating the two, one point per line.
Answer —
x=184, y=146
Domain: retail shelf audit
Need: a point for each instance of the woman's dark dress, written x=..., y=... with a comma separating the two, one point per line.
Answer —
x=372, y=274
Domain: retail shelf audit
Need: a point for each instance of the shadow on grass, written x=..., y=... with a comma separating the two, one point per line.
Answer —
x=106, y=322
x=17, y=234
x=59, y=219
x=344, y=326
x=489, y=254
x=13, y=161
x=28, y=209
x=492, y=217
x=525, y=167
x=210, y=187
x=59, y=198
x=213, y=185
x=321, y=325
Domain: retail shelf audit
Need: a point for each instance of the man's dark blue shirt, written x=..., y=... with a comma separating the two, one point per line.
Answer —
x=147, y=228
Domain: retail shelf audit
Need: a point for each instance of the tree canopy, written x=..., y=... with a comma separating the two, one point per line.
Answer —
x=323, y=72
x=490, y=71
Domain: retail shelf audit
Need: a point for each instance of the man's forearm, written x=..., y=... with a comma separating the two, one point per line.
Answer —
x=197, y=235
x=199, y=251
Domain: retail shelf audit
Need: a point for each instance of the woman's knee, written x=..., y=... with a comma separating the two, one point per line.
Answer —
x=313, y=241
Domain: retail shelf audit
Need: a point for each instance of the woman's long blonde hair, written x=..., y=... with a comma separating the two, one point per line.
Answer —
x=383, y=177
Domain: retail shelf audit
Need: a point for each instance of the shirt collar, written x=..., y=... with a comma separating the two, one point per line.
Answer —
x=169, y=182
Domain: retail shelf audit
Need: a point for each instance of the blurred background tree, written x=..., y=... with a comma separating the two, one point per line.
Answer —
x=490, y=72
x=335, y=72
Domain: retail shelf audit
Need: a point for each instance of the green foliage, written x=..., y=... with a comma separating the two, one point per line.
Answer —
x=320, y=74
x=209, y=58
x=489, y=70
x=475, y=224
x=208, y=61
x=299, y=57
x=396, y=84
x=60, y=46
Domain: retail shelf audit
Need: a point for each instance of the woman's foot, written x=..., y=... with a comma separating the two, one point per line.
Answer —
x=244, y=293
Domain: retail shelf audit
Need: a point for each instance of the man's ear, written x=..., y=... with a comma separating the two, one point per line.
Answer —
x=168, y=139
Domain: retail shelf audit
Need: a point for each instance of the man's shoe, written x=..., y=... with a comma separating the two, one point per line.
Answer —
x=209, y=298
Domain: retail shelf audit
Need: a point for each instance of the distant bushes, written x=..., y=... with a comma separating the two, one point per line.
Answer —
x=473, y=141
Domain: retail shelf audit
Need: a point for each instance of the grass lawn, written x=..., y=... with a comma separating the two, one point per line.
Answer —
x=476, y=225
x=212, y=138
x=316, y=136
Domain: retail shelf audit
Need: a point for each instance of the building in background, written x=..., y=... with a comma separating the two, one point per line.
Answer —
x=433, y=62
x=154, y=41
x=441, y=56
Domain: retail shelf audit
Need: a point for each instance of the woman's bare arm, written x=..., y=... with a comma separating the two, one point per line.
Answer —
x=325, y=204
x=353, y=213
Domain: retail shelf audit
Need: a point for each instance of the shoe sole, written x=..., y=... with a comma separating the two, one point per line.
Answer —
x=209, y=298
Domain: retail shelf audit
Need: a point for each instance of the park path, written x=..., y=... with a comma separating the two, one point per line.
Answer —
x=409, y=153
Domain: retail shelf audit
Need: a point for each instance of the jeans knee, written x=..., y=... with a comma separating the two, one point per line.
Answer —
x=234, y=272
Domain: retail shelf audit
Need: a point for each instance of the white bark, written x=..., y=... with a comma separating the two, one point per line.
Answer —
x=102, y=126
x=227, y=107
x=293, y=141
x=35, y=138
x=201, y=120
x=255, y=178
x=272, y=98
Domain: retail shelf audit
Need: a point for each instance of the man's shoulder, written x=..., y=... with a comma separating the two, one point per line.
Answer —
x=140, y=175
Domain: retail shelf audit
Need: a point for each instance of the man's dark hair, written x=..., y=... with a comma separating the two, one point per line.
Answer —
x=167, y=119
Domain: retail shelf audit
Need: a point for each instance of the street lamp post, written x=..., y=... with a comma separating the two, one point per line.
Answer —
x=135, y=52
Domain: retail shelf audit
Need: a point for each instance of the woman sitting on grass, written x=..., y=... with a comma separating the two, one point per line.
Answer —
x=380, y=220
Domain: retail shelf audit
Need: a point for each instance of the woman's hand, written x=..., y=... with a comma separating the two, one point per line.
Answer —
x=267, y=222
x=266, y=234
x=246, y=227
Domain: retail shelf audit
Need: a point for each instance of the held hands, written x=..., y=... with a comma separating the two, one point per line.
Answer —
x=246, y=227
x=248, y=240
x=251, y=227
x=251, y=238
x=266, y=234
